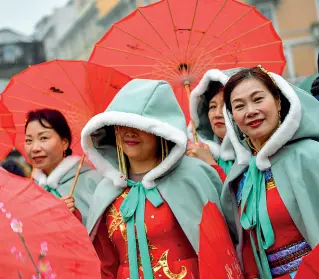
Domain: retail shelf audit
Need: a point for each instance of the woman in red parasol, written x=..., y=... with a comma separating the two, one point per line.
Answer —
x=270, y=197
x=47, y=145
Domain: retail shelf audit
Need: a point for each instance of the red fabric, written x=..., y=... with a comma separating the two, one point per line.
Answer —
x=220, y=171
x=284, y=228
x=170, y=250
x=309, y=266
x=106, y=252
x=217, y=256
x=39, y=232
x=78, y=89
x=177, y=43
x=78, y=214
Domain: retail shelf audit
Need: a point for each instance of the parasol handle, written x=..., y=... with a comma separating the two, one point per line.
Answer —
x=77, y=174
x=188, y=91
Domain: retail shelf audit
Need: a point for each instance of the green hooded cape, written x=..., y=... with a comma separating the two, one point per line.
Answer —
x=61, y=180
x=292, y=153
x=187, y=184
x=199, y=114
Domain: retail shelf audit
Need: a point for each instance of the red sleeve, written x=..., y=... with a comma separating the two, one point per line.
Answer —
x=220, y=171
x=106, y=252
x=78, y=215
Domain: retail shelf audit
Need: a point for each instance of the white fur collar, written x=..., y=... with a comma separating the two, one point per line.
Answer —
x=149, y=125
x=224, y=150
x=53, y=179
x=280, y=137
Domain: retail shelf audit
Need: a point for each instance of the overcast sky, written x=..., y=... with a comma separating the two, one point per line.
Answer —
x=22, y=15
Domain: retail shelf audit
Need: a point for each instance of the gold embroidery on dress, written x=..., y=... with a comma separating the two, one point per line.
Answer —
x=270, y=184
x=118, y=223
x=163, y=264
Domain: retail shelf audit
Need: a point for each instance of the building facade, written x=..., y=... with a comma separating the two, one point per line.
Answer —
x=293, y=20
x=94, y=18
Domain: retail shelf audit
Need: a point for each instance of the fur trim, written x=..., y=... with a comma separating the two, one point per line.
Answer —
x=149, y=125
x=227, y=152
x=279, y=138
x=242, y=154
x=200, y=89
x=55, y=176
x=286, y=130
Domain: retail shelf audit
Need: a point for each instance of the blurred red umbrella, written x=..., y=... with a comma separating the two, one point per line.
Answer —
x=217, y=256
x=179, y=41
x=78, y=89
x=40, y=237
x=7, y=131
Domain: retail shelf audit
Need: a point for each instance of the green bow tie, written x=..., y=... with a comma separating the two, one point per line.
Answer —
x=54, y=192
x=225, y=165
x=254, y=216
x=133, y=207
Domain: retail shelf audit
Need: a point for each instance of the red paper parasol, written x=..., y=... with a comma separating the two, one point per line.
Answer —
x=217, y=256
x=179, y=41
x=7, y=131
x=40, y=237
x=78, y=89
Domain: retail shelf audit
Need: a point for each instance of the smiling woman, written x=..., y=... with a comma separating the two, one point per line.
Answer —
x=272, y=189
x=47, y=145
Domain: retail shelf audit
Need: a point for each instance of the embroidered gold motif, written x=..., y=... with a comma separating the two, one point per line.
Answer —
x=270, y=184
x=117, y=222
x=163, y=264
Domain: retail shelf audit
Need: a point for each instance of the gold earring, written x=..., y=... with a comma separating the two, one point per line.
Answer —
x=120, y=153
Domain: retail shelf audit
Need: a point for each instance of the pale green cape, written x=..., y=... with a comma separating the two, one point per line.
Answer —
x=62, y=179
x=292, y=153
x=199, y=114
x=187, y=184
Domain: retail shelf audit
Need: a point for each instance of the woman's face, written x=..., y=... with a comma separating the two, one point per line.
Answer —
x=255, y=110
x=215, y=114
x=137, y=145
x=44, y=147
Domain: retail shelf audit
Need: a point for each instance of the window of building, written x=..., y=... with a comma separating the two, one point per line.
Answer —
x=268, y=9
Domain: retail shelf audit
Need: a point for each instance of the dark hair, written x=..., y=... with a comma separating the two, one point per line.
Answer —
x=212, y=89
x=56, y=121
x=262, y=76
x=13, y=167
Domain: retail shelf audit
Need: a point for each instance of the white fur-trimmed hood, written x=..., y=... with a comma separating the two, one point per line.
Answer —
x=146, y=105
x=55, y=176
x=223, y=150
x=280, y=137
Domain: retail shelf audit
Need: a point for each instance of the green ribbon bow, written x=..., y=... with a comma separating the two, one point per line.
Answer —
x=254, y=216
x=52, y=191
x=134, y=206
x=225, y=165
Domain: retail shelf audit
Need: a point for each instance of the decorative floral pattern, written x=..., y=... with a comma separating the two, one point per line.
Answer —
x=43, y=267
x=16, y=226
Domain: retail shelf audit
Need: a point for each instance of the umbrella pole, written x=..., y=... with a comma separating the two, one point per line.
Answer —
x=77, y=174
x=188, y=91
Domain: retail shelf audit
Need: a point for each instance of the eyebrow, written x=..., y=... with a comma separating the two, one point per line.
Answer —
x=40, y=134
x=252, y=95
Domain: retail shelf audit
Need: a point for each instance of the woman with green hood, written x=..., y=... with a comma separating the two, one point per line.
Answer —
x=270, y=197
x=144, y=223
x=206, y=110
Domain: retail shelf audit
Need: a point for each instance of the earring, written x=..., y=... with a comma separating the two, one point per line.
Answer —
x=64, y=153
x=120, y=153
